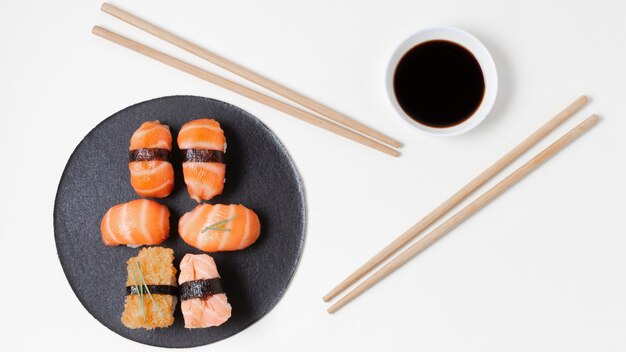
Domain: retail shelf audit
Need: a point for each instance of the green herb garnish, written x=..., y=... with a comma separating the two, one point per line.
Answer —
x=219, y=226
x=139, y=289
x=148, y=290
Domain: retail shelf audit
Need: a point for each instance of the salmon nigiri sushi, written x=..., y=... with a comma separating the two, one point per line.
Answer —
x=215, y=228
x=203, y=301
x=138, y=222
x=203, y=145
x=151, y=173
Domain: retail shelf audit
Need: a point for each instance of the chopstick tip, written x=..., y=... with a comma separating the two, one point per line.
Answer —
x=584, y=98
x=100, y=31
x=392, y=142
x=394, y=153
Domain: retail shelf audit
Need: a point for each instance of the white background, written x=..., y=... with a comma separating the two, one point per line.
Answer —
x=541, y=268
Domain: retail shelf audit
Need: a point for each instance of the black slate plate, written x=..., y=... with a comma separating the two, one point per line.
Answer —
x=259, y=174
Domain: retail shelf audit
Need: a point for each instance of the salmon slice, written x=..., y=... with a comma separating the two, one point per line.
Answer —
x=215, y=228
x=205, y=312
x=138, y=222
x=204, y=180
x=152, y=177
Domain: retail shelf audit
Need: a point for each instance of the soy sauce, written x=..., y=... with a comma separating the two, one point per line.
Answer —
x=439, y=83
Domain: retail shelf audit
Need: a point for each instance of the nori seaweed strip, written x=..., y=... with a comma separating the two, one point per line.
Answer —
x=154, y=289
x=200, y=288
x=149, y=154
x=203, y=156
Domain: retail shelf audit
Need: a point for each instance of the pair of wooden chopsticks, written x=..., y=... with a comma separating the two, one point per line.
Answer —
x=468, y=210
x=329, y=120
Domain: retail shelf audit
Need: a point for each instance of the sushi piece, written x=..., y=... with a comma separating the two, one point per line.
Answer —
x=203, y=301
x=203, y=145
x=151, y=290
x=214, y=228
x=151, y=172
x=138, y=222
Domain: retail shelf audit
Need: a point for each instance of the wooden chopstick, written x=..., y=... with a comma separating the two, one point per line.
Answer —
x=247, y=74
x=244, y=91
x=458, y=197
x=467, y=211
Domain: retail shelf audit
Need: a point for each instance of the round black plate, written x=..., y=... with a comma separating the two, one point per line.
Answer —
x=259, y=175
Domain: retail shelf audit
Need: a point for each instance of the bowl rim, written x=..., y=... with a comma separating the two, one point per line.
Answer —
x=474, y=46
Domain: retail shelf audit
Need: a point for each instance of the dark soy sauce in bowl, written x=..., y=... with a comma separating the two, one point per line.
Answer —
x=439, y=83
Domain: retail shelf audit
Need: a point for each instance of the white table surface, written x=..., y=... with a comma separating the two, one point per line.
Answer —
x=541, y=268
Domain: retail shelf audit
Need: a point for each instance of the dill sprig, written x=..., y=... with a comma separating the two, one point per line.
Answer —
x=148, y=290
x=139, y=289
x=219, y=226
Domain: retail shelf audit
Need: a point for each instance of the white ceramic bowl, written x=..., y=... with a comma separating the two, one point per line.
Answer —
x=481, y=54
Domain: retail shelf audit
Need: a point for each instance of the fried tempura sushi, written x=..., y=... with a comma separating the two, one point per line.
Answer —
x=150, y=289
x=138, y=222
x=203, y=145
x=215, y=228
x=151, y=173
x=203, y=301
